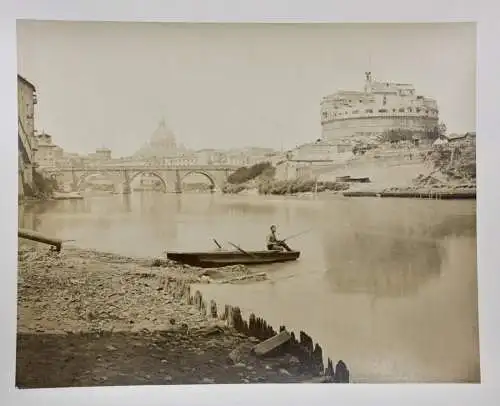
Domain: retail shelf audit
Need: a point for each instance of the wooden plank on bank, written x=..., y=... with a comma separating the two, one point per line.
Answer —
x=39, y=237
x=272, y=344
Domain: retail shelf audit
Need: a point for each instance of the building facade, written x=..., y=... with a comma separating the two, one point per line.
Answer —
x=366, y=114
x=26, y=101
x=100, y=155
x=47, y=153
x=307, y=169
x=322, y=150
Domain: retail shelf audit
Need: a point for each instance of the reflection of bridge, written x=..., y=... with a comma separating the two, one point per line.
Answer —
x=171, y=177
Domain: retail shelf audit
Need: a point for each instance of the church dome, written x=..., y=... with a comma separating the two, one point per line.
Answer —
x=163, y=134
x=161, y=144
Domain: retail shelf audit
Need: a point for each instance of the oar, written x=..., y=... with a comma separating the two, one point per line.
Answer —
x=216, y=243
x=241, y=250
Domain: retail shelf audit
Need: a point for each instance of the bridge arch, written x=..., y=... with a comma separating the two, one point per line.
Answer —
x=156, y=175
x=114, y=177
x=198, y=172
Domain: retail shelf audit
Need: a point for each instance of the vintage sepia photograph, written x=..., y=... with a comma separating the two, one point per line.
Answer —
x=243, y=203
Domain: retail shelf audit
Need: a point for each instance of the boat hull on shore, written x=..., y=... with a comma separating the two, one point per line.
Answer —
x=226, y=258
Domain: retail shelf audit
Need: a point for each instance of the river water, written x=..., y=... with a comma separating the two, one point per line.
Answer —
x=387, y=285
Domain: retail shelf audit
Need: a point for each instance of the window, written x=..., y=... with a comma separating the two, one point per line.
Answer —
x=410, y=110
x=401, y=110
x=382, y=110
x=368, y=111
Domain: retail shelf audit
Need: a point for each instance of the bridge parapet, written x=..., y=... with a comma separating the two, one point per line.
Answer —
x=171, y=176
x=141, y=168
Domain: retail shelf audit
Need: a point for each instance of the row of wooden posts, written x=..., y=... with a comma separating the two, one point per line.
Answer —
x=309, y=354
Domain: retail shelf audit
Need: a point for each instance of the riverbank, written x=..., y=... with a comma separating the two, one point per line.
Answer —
x=67, y=196
x=50, y=197
x=422, y=186
x=87, y=318
x=285, y=187
x=31, y=199
x=450, y=193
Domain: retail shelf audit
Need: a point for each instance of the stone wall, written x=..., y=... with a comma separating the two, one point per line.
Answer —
x=369, y=126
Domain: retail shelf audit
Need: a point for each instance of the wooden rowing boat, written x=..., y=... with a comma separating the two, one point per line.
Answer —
x=215, y=259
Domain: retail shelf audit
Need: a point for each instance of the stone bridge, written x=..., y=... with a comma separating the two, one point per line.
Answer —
x=171, y=177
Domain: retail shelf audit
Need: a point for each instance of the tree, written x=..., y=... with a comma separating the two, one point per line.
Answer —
x=441, y=129
x=397, y=135
x=45, y=186
x=436, y=132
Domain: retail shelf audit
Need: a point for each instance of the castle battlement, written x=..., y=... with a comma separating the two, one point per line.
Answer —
x=380, y=106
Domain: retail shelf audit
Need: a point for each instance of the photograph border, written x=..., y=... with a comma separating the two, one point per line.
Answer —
x=488, y=223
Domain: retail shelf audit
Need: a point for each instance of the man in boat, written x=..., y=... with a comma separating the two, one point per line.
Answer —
x=273, y=244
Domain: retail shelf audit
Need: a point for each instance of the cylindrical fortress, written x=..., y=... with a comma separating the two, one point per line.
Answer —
x=381, y=106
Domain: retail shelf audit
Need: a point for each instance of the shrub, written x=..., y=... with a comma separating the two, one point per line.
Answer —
x=402, y=134
x=43, y=185
x=244, y=174
x=299, y=186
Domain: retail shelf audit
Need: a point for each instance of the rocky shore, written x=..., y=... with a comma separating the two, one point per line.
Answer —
x=87, y=318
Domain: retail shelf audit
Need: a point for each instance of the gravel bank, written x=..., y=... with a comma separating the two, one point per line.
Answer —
x=87, y=318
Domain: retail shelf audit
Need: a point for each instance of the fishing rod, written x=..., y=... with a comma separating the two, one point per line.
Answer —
x=296, y=235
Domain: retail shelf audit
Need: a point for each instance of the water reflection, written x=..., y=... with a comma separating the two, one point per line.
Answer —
x=390, y=271
x=127, y=203
x=244, y=208
x=389, y=266
x=457, y=225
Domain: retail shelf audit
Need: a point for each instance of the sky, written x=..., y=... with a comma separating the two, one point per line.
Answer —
x=108, y=84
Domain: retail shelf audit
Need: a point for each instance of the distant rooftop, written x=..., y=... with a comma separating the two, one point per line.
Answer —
x=26, y=81
x=460, y=136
